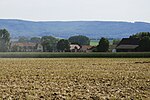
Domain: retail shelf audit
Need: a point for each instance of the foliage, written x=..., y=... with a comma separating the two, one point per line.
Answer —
x=49, y=43
x=116, y=41
x=35, y=40
x=14, y=48
x=63, y=45
x=23, y=39
x=103, y=45
x=4, y=40
x=75, y=55
x=82, y=40
x=144, y=44
x=140, y=35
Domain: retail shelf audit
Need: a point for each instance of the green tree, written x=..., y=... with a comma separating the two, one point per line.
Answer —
x=15, y=48
x=49, y=43
x=144, y=41
x=103, y=45
x=116, y=41
x=144, y=44
x=63, y=45
x=81, y=40
x=23, y=39
x=4, y=40
x=35, y=40
x=140, y=35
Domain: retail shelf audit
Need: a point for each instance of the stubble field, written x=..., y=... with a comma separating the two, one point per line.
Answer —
x=73, y=79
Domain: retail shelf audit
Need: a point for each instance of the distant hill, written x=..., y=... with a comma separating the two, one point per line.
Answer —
x=92, y=29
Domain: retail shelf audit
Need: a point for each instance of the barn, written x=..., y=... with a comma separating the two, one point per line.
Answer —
x=128, y=45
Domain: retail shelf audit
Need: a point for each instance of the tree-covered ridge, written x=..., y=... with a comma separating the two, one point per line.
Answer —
x=91, y=29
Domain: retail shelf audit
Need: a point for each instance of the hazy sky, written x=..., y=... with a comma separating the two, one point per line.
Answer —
x=52, y=10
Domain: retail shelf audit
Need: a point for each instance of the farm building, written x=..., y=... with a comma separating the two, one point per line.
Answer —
x=74, y=48
x=87, y=48
x=128, y=45
x=39, y=47
x=26, y=47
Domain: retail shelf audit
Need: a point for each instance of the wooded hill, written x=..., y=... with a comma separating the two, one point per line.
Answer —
x=91, y=29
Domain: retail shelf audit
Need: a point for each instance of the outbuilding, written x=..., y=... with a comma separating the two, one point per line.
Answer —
x=128, y=45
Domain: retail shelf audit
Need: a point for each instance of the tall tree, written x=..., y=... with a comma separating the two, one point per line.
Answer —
x=4, y=40
x=144, y=44
x=103, y=45
x=63, y=45
x=49, y=43
x=80, y=39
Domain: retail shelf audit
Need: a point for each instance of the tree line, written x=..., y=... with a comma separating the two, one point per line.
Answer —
x=144, y=43
x=51, y=43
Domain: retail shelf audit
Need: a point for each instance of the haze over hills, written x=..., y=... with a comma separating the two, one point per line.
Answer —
x=65, y=29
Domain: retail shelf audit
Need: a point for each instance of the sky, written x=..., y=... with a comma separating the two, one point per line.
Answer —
x=76, y=10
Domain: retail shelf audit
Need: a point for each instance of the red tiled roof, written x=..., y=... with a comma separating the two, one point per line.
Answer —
x=86, y=47
x=27, y=44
